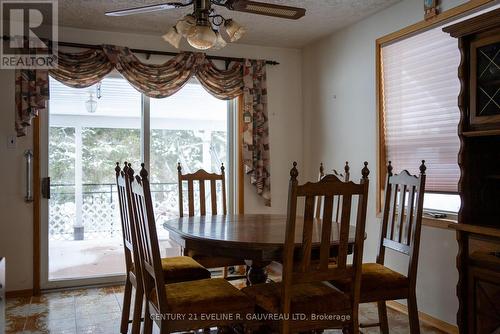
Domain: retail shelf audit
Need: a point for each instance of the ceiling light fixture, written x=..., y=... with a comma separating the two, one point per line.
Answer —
x=173, y=37
x=234, y=30
x=91, y=104
x=202, y=28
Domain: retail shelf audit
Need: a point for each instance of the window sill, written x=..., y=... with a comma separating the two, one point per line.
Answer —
x=439, y=222
x=434, y=222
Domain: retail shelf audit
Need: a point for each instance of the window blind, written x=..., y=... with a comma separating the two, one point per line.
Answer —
x=420, y=89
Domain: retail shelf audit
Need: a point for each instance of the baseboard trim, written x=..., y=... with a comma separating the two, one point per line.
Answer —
x=19, y=293
x=430, y=320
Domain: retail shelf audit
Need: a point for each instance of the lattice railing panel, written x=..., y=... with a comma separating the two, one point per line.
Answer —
x=100, y=215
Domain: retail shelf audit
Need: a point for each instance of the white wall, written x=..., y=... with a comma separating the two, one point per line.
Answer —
x=285, y=118
x=16, y=216
x=340, y=123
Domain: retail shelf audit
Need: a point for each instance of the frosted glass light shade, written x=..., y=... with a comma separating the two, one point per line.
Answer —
x=173, y=37
x=234, y=30
x=91, y=104
x=202, y=37
x=185, y=25
x=220, y=43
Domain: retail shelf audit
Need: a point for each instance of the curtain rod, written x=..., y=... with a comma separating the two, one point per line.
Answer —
x=151, y=52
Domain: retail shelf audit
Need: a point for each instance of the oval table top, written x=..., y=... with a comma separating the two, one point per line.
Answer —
x=238, y=232
x=256, y=239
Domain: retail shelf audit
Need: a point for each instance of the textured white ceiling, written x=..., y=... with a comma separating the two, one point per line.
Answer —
x=322, y=18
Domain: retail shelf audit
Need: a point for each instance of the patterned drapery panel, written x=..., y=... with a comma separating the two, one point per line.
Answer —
x=82, y=69
x=156, y=81
x=32, y=95
x=256, y=127
x=223, y=84
x=87, y=68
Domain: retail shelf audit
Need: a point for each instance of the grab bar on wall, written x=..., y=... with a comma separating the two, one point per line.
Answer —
x=28, y=155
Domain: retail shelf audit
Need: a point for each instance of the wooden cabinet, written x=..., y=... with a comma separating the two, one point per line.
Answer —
x=478, y=228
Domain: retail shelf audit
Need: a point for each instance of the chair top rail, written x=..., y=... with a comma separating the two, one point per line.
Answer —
x=405, y=178
x=324, y=187
x=200, y=175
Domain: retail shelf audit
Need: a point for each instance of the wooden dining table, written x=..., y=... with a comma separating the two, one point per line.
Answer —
x=256, y=239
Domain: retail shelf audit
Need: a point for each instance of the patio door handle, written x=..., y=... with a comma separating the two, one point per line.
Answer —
x=46, y=187
x=28, y=155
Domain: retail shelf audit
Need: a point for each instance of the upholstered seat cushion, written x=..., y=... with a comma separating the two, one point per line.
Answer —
x=310, y=298
x=182, y=268
x=208, y=296
x=379, y=283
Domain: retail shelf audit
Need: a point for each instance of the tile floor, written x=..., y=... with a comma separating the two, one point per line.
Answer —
x=98, y=311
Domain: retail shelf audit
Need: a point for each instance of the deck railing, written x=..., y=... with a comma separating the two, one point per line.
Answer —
x=100, y=217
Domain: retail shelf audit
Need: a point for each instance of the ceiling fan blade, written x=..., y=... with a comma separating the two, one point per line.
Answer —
x=148, y=9
x=268, y=9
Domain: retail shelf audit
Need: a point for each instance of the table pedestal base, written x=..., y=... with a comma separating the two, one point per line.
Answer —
x=256, y=272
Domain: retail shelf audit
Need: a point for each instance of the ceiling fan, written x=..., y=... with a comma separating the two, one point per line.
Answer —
x=203, y=27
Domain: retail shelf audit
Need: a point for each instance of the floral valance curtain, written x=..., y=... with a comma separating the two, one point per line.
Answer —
x=84, y=69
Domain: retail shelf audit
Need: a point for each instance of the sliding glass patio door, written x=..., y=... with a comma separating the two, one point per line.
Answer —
x=85, y=132
x=187, y=128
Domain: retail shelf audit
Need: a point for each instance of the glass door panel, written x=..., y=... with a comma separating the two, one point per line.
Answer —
x=189, y=127
x=85, y=139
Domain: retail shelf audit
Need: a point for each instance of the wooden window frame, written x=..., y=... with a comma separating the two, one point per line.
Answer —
x=401, y=34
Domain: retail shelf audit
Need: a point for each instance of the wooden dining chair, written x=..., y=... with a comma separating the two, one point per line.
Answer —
x=196, y=304
x=175, y=269
x=201, y=177
x=400, y=231
x=304, y=288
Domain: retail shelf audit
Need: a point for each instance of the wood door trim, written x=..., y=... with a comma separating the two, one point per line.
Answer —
x=19, y=293
x=393, y=37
